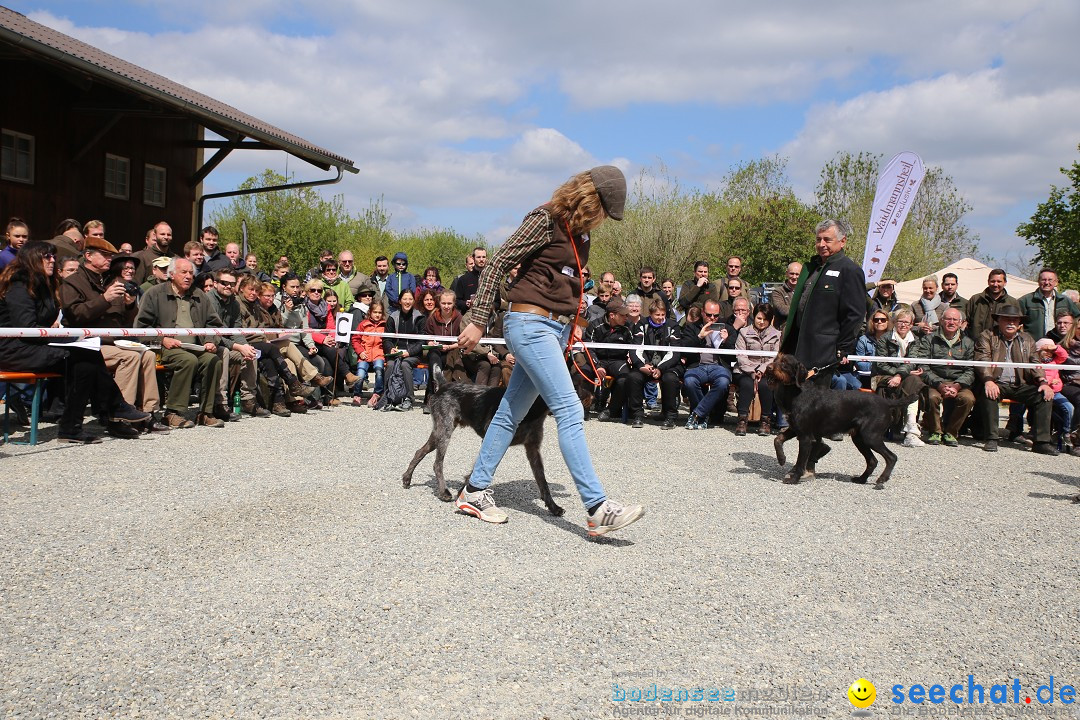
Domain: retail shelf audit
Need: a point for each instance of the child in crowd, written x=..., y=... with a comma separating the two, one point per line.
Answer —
x=1049, y=352
x=369, y=352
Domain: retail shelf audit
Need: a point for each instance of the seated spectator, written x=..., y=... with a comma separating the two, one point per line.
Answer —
x=1063, y=409
x=68, y=266
x=927, y=309
x=322, y=312
x=427, y=301
x=69, y=239
x=238, y=355
x=1008, y=343
x=634, y=320
x=762, y=336
x=900, y=379
x=271, y=365
x=204, y=282
x=159, y=272
x=444, y=321
x=647, y=289
x=598, y=309
x=178, y=304
x=94, y=297
x=657, y=366
x=780, y=297
x=707, y=369
x=432, y=280
x=281, y=269
x=294, y=316
x=286, y=343
x=612, y=365
x=880, y=325
x=950, y=284
x=884, y=297
x=406, y=320
x=16, y=236
x=29, y=297
x=1071, y=378
x=946, y=383
x=735, y=288
x=1063, y=323
x=370, y=355
x=695, y=291
x=332, y=283
x=482, y=364
x=195, y=254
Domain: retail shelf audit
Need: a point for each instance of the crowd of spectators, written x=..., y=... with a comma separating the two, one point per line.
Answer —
x=80, y=279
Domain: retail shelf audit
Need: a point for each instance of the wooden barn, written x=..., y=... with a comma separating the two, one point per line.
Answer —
x=88, y=135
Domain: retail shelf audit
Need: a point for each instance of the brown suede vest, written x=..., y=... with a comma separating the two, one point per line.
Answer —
x=549, y=278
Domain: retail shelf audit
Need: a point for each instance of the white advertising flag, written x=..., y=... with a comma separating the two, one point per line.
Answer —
x=896, y=189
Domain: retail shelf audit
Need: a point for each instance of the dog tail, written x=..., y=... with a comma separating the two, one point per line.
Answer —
x=904, y=401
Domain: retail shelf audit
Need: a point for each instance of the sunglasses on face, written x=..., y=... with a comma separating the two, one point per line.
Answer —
x=881, y=320
x=316, y=290
x=711, y=315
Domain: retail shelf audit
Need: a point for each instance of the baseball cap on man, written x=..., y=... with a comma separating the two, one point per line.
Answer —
x=610, y=185
x=161, y=262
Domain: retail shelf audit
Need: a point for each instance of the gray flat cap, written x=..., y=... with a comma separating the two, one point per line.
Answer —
x=611, y=186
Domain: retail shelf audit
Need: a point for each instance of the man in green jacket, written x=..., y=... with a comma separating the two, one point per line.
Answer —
x=946, y=382
x=176, y=304
x=1041, y=307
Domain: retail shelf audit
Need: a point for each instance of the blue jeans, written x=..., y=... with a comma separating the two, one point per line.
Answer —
x=714, y=375
x=540, y=370
x=362, y=368
x=1063, y=411
x=846, y=381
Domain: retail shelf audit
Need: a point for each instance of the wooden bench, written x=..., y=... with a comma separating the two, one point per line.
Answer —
x=28, y=378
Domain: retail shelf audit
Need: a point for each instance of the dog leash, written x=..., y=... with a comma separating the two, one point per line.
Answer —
x=815, y=370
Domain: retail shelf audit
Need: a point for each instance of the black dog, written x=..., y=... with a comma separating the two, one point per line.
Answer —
x=814, y=412
x=455, y=405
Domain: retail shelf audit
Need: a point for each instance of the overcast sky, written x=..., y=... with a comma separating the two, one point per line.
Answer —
x=467, y=114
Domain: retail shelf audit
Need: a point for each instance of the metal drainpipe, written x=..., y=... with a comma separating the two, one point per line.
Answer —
x=252, y=191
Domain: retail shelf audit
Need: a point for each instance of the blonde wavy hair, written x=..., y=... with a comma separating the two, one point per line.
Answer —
x=576, y=202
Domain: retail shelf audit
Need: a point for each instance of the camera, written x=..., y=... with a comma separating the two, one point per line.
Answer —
x=131, y=288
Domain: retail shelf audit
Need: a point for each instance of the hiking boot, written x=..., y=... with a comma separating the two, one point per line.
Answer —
x=766, y=427
x=225, y=414
x=280, y=409
x=175, y=421
x=126, y=413
x=253, y=409
x=740, y=426
x=208, y=420
x=480, y=504
x=934, y=439
x=948, y=440
x=297, y=406
x=299, y=390
x=1045, y=448
x=352, y=378
x=611, y=516
x=322, y=380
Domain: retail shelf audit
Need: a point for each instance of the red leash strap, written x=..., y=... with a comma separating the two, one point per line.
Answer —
x=573, y=330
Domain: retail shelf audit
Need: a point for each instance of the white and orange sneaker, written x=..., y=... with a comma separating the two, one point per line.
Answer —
x=481, y=505
x=612, y=516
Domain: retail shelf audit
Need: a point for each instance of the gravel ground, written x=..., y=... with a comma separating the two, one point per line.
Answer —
x=278, y=569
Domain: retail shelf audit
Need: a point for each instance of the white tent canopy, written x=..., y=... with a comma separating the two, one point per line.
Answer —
x=971, y=274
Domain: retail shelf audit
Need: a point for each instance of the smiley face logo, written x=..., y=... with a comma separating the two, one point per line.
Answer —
x=862, y=693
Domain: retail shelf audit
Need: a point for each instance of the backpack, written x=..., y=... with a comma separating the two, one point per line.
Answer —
x=395, y=390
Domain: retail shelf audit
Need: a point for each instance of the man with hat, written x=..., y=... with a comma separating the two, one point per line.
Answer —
x=94, y=296
x=159, y=272
x=1008, y=343
x=884, y=298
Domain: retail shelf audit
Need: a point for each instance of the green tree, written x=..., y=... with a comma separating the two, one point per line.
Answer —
x=935, y=232
x=300, y=222
x=663, y=227
x=760, y=219
x=1054, y=229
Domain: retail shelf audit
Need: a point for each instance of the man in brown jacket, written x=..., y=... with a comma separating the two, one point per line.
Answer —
x=92, y=298
x=1007, y=342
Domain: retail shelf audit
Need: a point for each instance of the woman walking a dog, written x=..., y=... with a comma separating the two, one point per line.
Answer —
x=552, y=246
